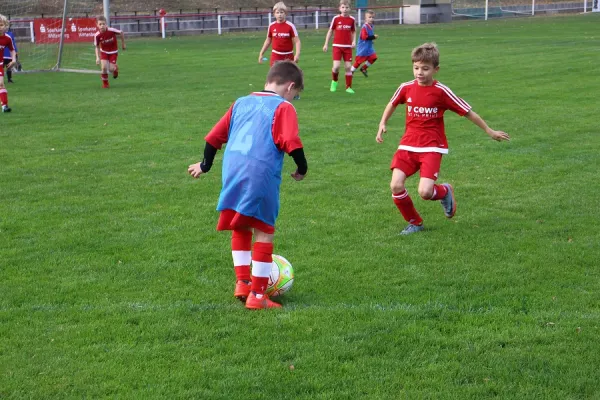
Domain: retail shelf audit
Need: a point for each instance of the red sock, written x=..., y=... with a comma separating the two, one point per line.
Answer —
x=335, y=75
x=348, y=80
x=262, y=258
x=407, y=208
x=104, y=80
x=356, y=64
x=241, y=251
x=4, y=97
x=439, y=192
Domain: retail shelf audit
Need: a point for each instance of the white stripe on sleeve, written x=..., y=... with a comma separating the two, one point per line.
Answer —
x=457, y=100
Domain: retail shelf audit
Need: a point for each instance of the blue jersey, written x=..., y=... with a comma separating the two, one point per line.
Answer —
x=6, y=49
x=365, y=47
x=252, y=163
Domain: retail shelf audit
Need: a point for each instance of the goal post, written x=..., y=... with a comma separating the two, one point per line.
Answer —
x=55, y=35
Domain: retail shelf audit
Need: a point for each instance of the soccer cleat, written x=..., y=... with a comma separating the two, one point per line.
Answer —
x=10, y=81
x=242, y=290
x=364, y=72
x=333, y=87
x=116, y=73
x=349, y=90
x=448, y=202
x=254, y=303
x=412, y=229
x=297, y=97
x=105, y=86
x=6, y=109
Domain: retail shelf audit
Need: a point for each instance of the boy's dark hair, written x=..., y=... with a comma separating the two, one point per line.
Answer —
x=100, y=18
x=427, y=53
x=286, y=71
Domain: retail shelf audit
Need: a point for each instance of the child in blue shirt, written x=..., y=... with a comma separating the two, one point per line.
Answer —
x=365, y=53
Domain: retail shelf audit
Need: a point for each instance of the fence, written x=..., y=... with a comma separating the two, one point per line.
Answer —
x=307, y=18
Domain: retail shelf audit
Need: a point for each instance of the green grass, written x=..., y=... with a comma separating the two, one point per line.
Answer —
x=115, y=284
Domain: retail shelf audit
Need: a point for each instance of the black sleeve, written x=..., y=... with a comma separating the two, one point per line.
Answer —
x=300, y=160
x=372, y=37
x=209, y=156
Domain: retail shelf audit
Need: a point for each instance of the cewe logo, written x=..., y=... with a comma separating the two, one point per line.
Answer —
x=423, y=110
x=283, y=34
x=346, y=26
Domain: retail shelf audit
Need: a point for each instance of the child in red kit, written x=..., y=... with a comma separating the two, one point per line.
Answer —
x=424, y=140
x=283, y=36
x=107, y=49
x=343, y=30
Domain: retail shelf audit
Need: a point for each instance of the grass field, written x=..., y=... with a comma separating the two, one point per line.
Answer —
x=115, y=284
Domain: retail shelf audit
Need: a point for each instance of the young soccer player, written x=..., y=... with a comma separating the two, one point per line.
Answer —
x=258, y=129
x=5, y=42
x=365, y=53
x=107, y=49
x=344, y=40
x=8, y=56
x=283, y=35
x=424, y=141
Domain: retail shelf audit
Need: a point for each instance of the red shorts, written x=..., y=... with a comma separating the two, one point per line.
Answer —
x=230, y=220
x=112, y=58
x=342, y=52
x=280, y=57
x=361, y=59
x=410, y=162
x=2, y=71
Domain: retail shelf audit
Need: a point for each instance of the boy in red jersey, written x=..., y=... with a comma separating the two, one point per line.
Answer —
x=5, y=42
x=283, y=35
x=365, y=53
x=344, y=40
x=107, y=49
x=258, y=129
x=424, y=140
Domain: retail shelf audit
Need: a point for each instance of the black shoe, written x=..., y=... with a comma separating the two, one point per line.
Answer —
x=10, y=81
x=364, y=72
x=5, y=109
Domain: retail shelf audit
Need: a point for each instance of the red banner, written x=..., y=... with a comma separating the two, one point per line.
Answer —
x=47, y=30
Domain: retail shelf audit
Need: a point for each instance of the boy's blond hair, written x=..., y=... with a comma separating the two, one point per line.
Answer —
x=345, y=2
x=280, y=6
x=370, y=12
x=4, y=20
x=426, y=53
x=100, y=18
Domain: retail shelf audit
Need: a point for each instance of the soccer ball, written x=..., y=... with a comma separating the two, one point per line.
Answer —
x=281, y=278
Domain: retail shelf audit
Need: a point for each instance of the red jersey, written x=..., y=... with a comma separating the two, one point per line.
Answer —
x=343, y=30
x=6, y=41
x=107, y=41
x=425, y=106
x=284, y=127
x=281, y=34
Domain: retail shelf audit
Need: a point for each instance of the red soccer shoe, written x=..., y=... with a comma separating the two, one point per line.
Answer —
x=116, y=73
x=254, y=303
x=242, y=290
